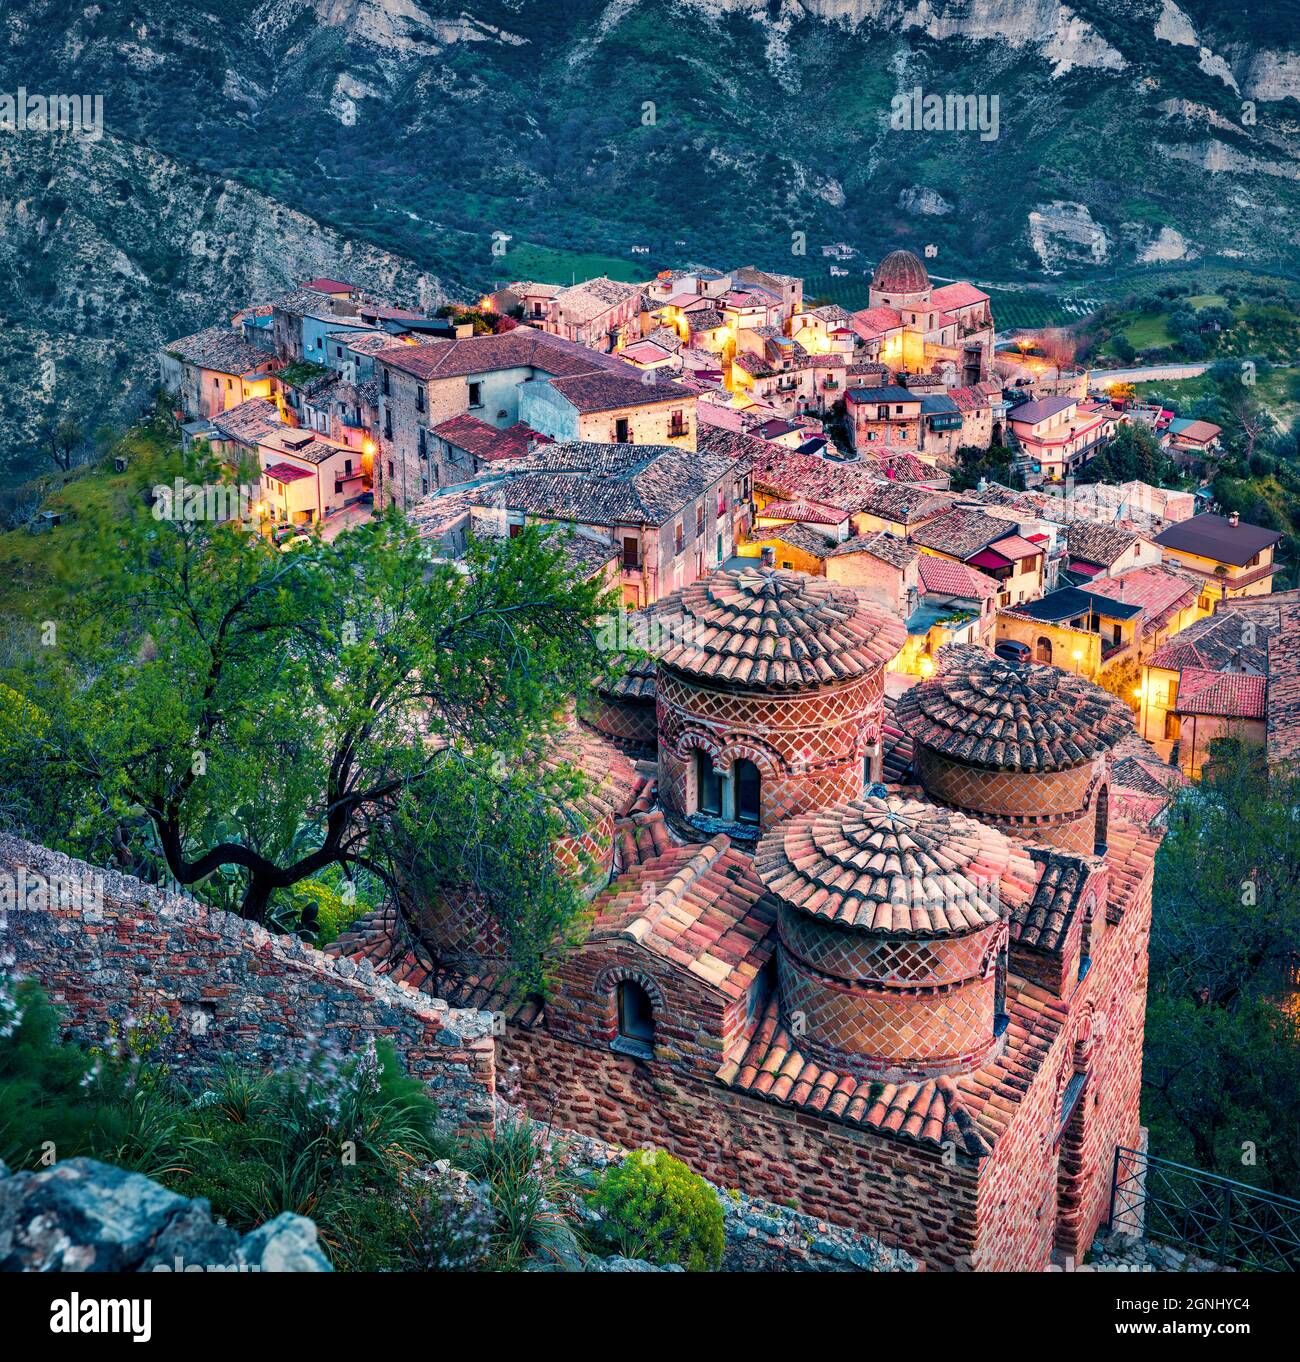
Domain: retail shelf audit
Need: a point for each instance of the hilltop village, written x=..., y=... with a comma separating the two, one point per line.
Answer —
x=876, y=792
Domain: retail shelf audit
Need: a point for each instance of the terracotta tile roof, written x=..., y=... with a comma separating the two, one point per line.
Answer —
x=889, y=548
x=1043, y=920
x=635, y=682
x=902, y=504
x=806, y=538
x=1229, y=695
x=898, y=746
x=1220, y=643
x=960, y=294
x=220, y=349
x=602, y=391
x=960, y=532
x=248, y=422
x=973, y=397
x=969, y=1112
x=603, y=484
x=893, y=866
x=1130, y=857
x=1284, y=690
x=771, y=629
x=873, y=322
x=813, y=512
x=488, y=442
x=898, y=466
x=522, y=348
x=700, y=908
x=982, y=709
x=639, y=838
x=592, y=298
x=1160, y=590
x=611, y=785
x=377, y=939
x=285, y=472
x=1098, y=543
x=944, y=577
x=1015, y=547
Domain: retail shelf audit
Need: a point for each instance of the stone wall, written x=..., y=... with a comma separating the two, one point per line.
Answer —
x=106, y=947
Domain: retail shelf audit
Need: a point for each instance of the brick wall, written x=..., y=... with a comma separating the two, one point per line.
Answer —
x=906, y=1195
x=113, y=947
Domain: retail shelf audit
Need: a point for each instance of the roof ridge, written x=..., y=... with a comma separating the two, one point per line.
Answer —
x=671, y=894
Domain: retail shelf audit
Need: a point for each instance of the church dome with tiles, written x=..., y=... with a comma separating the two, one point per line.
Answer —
x=1022, y=745
x=899, y=278
x=770, y=697
x=893, y=934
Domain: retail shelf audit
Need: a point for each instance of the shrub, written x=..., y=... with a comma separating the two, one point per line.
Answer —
x=655, y=1208
x=531, y=1194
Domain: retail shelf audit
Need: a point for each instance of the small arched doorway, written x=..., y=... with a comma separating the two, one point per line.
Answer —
x=1043, y=649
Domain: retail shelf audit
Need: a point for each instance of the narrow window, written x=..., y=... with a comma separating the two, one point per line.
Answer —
x=419, y=397
x=747, y=792
x=636, y=1015
x=631, y=552
x=708, y=786
x=476, y=394
x=621, y=429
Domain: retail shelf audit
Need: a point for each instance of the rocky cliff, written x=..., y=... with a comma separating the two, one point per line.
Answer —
x=108, y=249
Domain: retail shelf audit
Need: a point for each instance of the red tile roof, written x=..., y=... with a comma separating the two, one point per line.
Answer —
x=960, y=294
x=944, y=577
x=700, y=908
x=1232, y=695
x=969, y=1112
x=285, y=472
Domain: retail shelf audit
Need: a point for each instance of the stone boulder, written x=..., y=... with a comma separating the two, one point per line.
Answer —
x=84, y=1216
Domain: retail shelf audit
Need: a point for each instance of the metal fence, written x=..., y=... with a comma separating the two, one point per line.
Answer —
x=1228, y=1222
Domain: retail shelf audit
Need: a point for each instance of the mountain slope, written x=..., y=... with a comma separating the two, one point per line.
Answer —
x=698, y=129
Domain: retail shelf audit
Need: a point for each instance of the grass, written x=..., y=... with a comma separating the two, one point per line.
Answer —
x=549, y=265
x=32, y=565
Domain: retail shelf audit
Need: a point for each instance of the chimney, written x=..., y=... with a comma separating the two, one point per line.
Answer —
x=1234, y=519
x=769, y=556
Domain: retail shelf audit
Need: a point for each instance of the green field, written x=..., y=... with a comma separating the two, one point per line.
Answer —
x=1278, y=389
x=547, y=265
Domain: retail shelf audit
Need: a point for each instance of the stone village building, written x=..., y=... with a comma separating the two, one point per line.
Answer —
x=916, y=1010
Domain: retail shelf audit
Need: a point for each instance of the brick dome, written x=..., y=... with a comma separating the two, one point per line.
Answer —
x=900, y=272
x=990, y=712
x=1023, y=746
x=764, y=628
x=622, y=707
x=889, y=865
x=891, y=928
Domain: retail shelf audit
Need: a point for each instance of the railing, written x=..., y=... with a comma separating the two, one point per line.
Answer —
x=1229, y=1222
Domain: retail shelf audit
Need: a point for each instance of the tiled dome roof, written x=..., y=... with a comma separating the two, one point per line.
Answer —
x=900, y=272
x=888, y=865
x=1016, y=716
x=773, y=629
x=635, y=680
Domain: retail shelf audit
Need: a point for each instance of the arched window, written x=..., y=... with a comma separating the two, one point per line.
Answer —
x=1103, y=818
x=708, y=785
x=747, y=792
x=636, y=1016
x=1043, y=649
x=1000, y=1018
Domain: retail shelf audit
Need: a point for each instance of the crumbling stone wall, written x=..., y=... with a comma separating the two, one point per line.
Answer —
x=107, y=947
